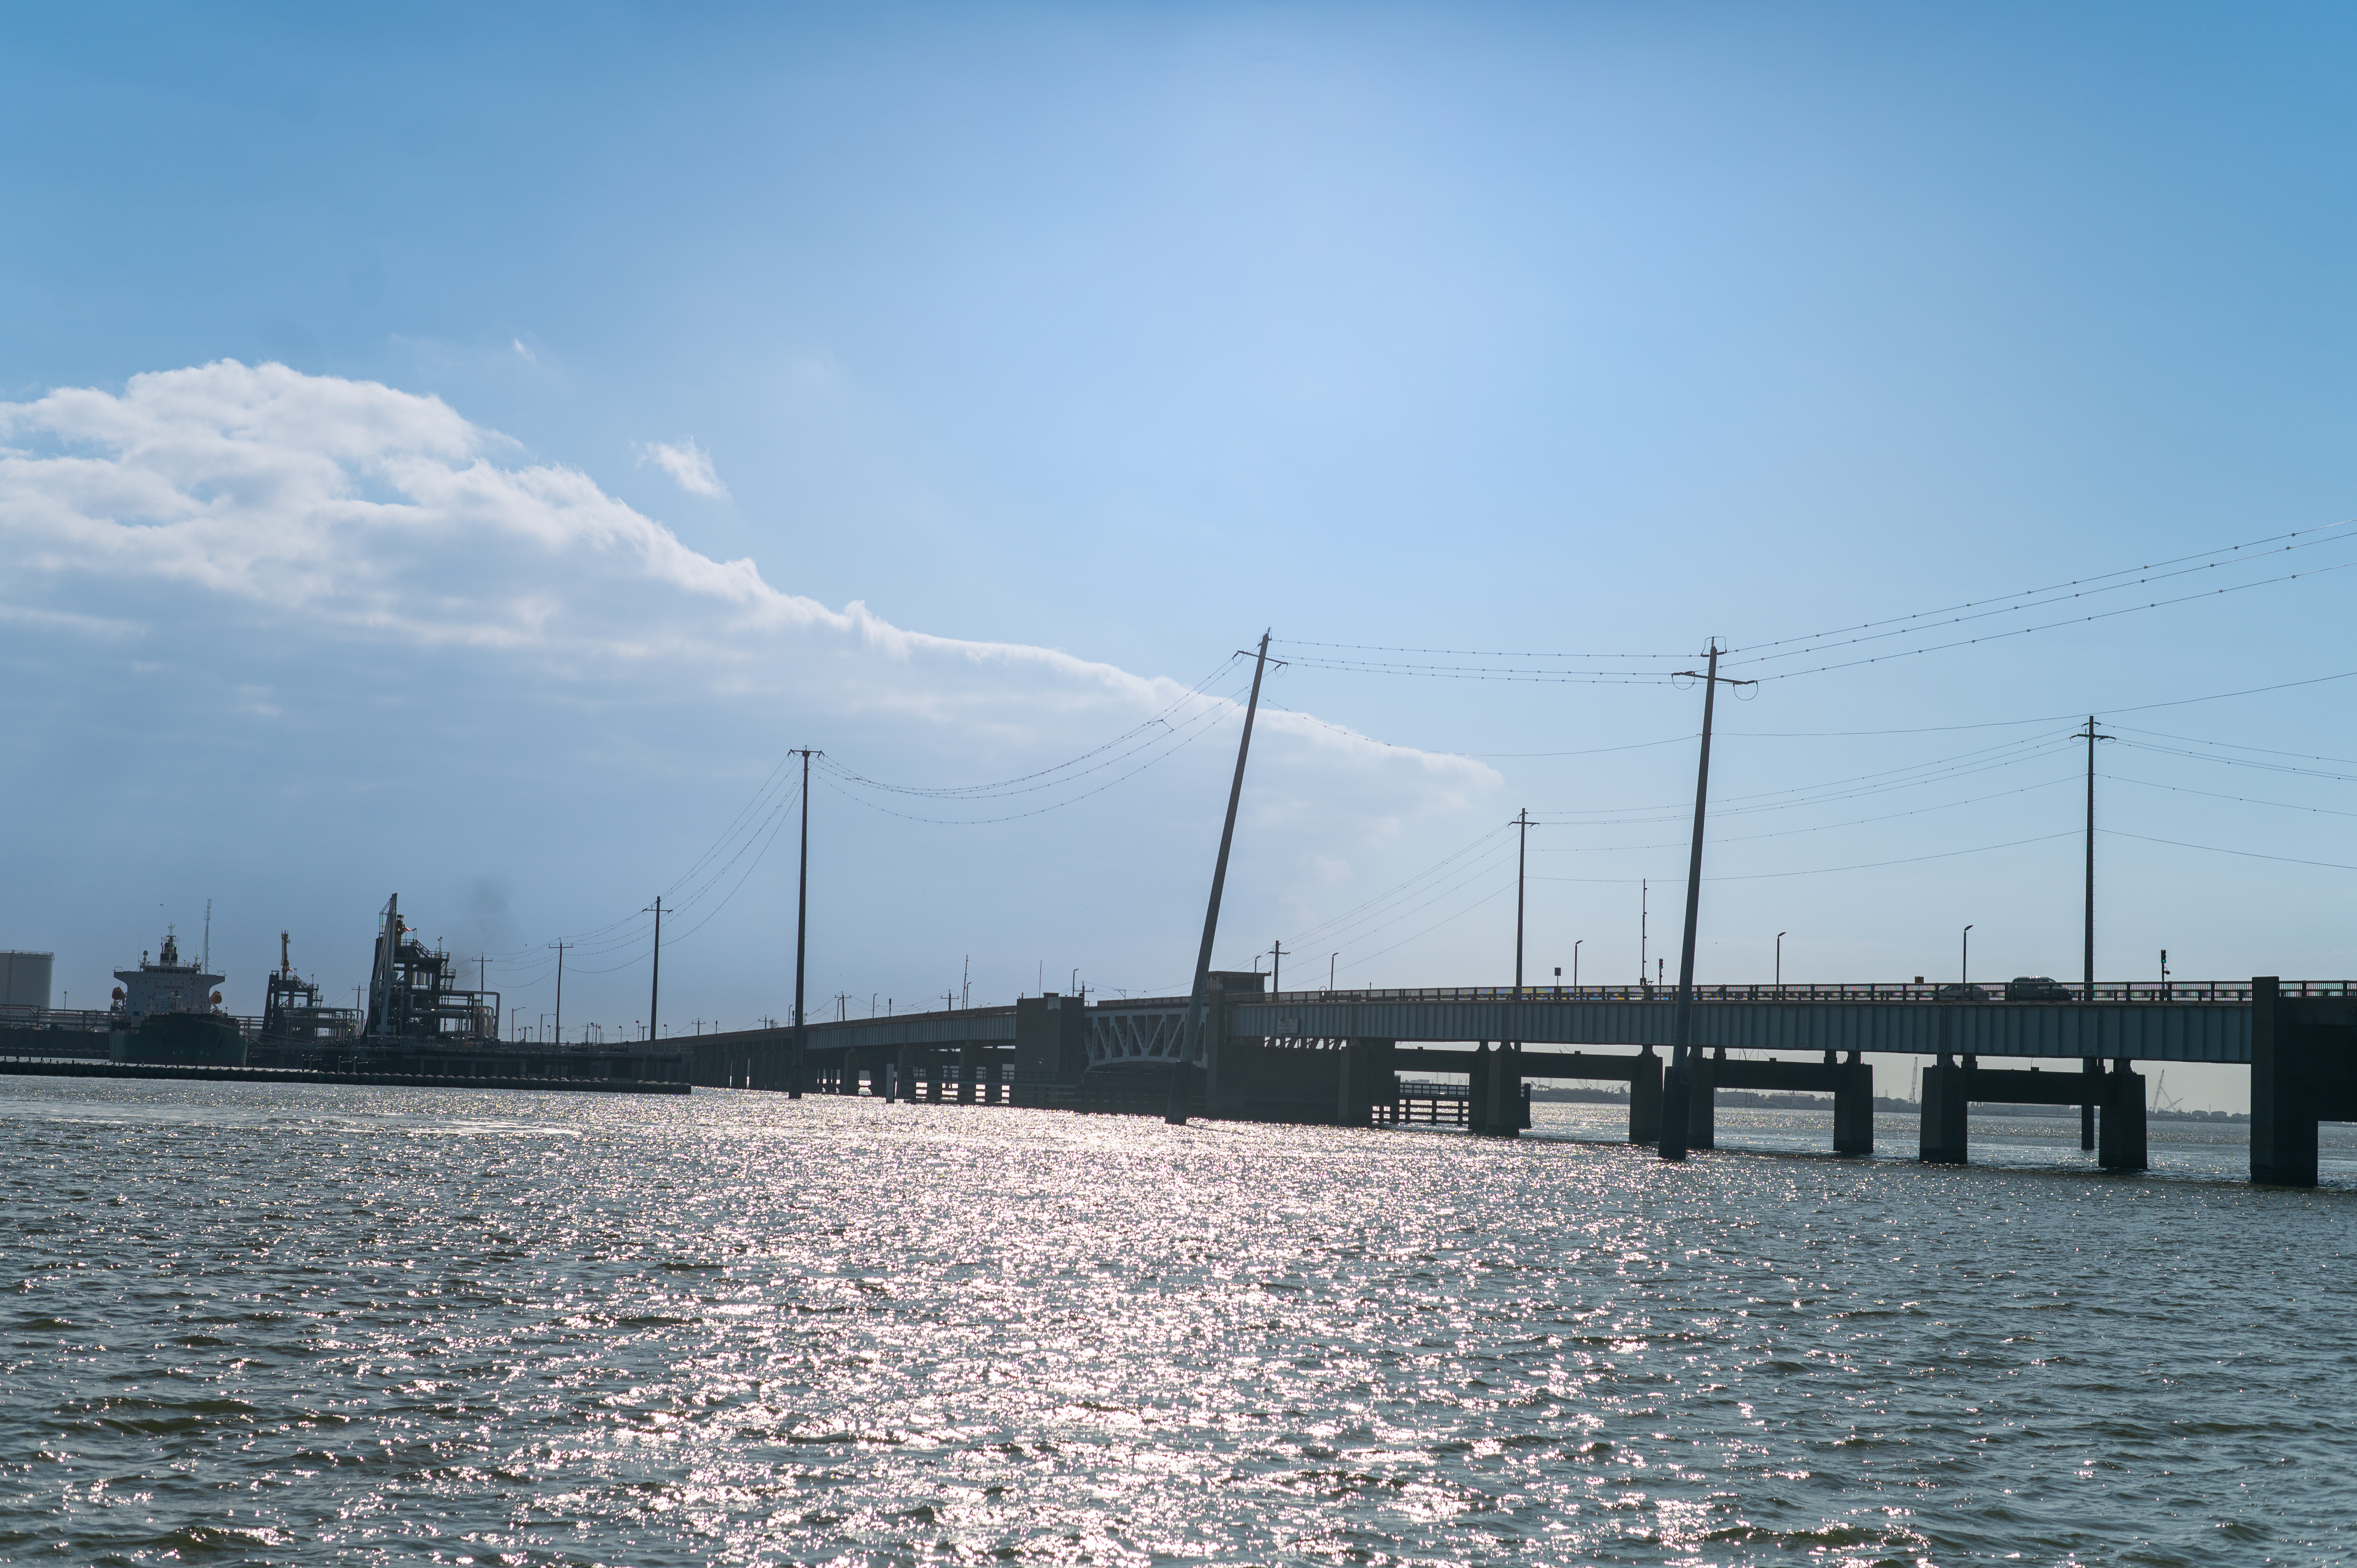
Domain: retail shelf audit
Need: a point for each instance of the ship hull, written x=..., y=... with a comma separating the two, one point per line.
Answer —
x=191, y=1039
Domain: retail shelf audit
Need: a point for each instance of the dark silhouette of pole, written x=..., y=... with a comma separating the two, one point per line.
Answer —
x=1522, y=864
x=802, y=937
x=1677, y=1089
x=1191, y=1037
x=560, y=989
x=654, y=987
x=2090, y=736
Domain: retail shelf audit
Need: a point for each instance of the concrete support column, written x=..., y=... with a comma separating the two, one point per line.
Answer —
x=904, y=1076
x=933, y=1065
x=1354, y=1084
x=1854, y=1107
x=1509, y=1101
x=2283, y=1119
x=994, y=1077
x=1476, y=1087
x=1942, y=1140
x=1497, y=1092
x=2093, y=1067
x=969, y=1069
x=2120, y=1144
x=1645, y=1098
x=1702, y=1110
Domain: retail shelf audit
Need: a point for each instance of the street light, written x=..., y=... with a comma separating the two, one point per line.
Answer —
x=1779, y=960
x=1964, y=965
x=1575, y=963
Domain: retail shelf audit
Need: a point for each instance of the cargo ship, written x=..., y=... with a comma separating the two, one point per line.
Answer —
x=168, y=1011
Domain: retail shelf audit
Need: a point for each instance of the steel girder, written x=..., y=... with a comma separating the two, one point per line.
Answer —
x=2141, y=1031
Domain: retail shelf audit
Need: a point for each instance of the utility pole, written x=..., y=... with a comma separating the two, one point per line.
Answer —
x=1677, y=1091
x=1644, y=892
x=1522, y=864
x=801, y=940
x=654, y=989
x=1191, y=1037
x=560, y=989
x=2091, y=737
x=1275, y=963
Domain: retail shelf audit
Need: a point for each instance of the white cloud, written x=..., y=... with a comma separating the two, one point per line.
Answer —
x=529, y=357
x=689, y=466
x=377, y=608
x=287, y=502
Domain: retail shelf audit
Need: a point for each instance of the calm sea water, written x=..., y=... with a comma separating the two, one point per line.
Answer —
x=341, y=1324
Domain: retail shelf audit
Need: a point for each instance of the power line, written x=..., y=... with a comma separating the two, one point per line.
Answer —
x=2035, y=599
x=1467, y=652
x=2049, y=626
x=1822, y=827
x=1960, y=764
x=1028, y=780
x=1194, y=729
x=1863, y=865
x=2238, y=799
x=1475, y=672
x=2244, y=853
x=2230, y=746
x=2241, y=762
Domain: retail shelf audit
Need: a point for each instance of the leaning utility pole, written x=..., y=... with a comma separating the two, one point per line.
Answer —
x=654, y=991
x=802, y=933
x=1677, y=1091
x=1191, y=1036
x=560, y=991
x=2090, y=736
x=1522, y=864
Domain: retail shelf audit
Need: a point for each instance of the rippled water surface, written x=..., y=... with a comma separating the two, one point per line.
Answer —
x=272, y=1325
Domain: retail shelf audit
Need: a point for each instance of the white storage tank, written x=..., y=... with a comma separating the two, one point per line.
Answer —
x=24, y=979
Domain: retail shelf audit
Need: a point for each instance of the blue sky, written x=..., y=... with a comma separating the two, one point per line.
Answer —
x=1124, y=333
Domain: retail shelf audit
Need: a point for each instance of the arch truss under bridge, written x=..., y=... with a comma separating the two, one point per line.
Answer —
x=1135, y=1035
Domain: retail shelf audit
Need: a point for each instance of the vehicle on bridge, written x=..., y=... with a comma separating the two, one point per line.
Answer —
x=2038, y=988
x=1961, y=993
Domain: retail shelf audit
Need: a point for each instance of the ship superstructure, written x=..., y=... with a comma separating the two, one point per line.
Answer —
x=167, y=1010
x=165, y=986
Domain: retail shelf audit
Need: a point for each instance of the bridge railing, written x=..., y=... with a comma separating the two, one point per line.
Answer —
x=2135, y=991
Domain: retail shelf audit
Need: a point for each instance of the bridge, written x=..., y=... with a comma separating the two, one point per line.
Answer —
x=1336, y=1056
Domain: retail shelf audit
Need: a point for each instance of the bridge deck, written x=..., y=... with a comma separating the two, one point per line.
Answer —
x=2154, y=1029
